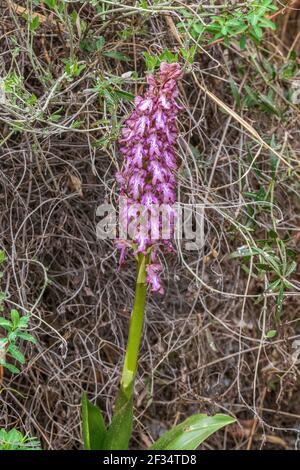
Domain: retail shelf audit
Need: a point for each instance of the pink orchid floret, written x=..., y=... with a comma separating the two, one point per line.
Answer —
x=147, y=177
x=152, y=278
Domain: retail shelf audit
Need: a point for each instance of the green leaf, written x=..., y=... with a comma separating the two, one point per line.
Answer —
x=273, y=286
x=11, y=368
x=243, y=42
x=279, y=301
x=151, y=61
x=120, y=430
x=124, y=95
x=2, y=256
x=50, y=3
x=198, y=28
x=117, y=55
x=54, y=117
x=291, y=268
x=257, y=32
x=3, y=342
x=93, y=426
x=271, y=333
x=263, y=267
x=14, y=440
x=168, y=56
x=189, y=53
x=16, y=354
x=267, y=101
x=235, y=91
x=266, y=23
x=100, y=43
x=15, y=317
x=26, y=336
x=192, y=432
x=23, y=322
x=5, y=323
x=34, y=23
x=12, y=336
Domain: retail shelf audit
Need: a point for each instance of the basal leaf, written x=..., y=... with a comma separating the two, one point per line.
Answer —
x=119, y=432
x=93, y=426
x=192, y=432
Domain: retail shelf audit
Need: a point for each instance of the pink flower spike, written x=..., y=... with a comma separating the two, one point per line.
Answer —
x=147, y=178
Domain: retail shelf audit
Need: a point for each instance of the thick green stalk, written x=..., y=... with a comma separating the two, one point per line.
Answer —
x=135, y=329
x=119, y=432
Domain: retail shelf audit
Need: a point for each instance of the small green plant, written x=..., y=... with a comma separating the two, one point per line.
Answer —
x=110, y=91
x=92, y=43
x=16, y=93
x=15, y=330
x=264, y=102
x=154, y=61
x=240, y=22
x=55, y=5
x=14, y=440
x=271, y=257
x=73, y=68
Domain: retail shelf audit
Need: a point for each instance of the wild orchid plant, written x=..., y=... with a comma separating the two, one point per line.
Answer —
x=147, y=181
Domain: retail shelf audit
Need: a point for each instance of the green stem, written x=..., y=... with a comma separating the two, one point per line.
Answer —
x=135, y=329
x=120, y=429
